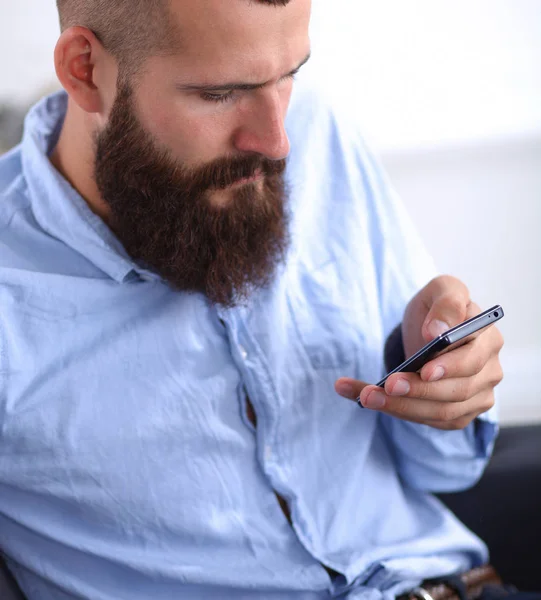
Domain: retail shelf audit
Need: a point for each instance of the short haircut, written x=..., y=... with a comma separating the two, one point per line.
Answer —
x=131, y=30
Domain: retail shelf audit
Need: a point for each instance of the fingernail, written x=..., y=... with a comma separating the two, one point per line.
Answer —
x=346, y=390
x=375, y=400
x=437, y=328
x=437, y=374
x=400, y=388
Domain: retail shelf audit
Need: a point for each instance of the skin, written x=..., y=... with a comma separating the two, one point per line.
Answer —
x=251, y=43
x=451, y=390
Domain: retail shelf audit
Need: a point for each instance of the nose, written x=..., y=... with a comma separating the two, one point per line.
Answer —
x=263, y=128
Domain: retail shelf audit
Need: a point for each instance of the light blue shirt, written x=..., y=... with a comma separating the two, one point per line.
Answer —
x=128, y=467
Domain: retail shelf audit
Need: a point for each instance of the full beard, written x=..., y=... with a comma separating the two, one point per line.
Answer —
x=162, y=212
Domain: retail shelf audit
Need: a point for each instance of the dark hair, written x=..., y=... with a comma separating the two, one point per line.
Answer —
x=131, y=30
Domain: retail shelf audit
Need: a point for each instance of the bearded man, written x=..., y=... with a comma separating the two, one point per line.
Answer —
x=194, y=267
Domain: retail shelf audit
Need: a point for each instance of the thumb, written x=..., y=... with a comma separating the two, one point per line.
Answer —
x=349, y=388
x=446, y=311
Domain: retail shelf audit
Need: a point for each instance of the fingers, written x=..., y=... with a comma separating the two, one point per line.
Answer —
x=405, y=390
x=461, y=422
x=451, y=377
x=470, y=377
x=442, y=415
x=449, y=303
x=453, y=388
x=457, y=389
x=464, y=361
x=448, y=404
x=467, y=360
x=349, y=388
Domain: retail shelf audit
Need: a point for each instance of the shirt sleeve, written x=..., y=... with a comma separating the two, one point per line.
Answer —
x=427, y=458
x=432, y=460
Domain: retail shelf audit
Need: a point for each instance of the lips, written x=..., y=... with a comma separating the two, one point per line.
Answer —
x=257, y=175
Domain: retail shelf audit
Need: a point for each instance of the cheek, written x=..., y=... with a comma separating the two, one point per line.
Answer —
x=191, y=138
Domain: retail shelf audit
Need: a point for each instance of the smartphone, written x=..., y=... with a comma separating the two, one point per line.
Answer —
x=451, y=339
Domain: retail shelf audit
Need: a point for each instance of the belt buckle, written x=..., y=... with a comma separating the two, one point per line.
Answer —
x=421, y=594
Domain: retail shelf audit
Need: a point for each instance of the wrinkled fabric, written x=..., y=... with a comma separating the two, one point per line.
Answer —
x=128, y=467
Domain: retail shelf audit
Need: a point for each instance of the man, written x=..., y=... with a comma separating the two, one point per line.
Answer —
x=182, y=298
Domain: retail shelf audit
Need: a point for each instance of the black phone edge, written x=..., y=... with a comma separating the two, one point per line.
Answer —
x=444, y=337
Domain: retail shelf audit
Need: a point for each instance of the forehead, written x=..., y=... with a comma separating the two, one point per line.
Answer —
x=223, y=34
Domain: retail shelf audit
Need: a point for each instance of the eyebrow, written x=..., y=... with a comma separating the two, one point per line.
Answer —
x=237, y=86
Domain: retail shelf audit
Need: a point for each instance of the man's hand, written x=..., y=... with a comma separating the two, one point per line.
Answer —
x=451, y=390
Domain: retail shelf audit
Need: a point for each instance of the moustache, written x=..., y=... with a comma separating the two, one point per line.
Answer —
x=226, y=172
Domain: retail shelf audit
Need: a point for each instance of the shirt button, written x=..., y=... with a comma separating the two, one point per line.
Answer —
x=243, y=352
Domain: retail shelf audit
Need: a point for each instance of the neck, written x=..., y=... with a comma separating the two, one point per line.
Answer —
x=73, y=157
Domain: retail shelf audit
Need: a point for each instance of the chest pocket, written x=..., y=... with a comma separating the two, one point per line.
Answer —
x=330, y=314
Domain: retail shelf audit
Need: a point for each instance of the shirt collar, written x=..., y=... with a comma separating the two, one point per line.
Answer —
x=57, y=206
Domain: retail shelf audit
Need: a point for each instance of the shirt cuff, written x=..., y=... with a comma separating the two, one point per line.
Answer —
x=483, y=431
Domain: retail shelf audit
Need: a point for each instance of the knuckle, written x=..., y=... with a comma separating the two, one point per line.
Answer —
x=422, y=391
x=498, y=375
x=448, y=425
x=474, y=307
x=494, y=341
x=444, y=414
x=457, y=366
x=451, y=280
x=478, y=363
x=399, y=406
x=471, y=363
x=464, y=390
x=461, y=423
x=484, y=404
x=403, y=406
x=489, y=402
x=499, y=340
x=455, y=303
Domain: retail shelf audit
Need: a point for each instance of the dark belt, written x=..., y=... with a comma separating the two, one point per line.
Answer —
x=465, y=586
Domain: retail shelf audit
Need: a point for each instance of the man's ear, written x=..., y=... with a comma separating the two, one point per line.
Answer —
x=76, y=56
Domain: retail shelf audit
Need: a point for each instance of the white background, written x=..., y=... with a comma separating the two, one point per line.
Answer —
x=449, y=95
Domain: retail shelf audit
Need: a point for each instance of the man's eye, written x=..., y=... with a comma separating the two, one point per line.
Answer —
x=291, y=76
x=213, y=97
